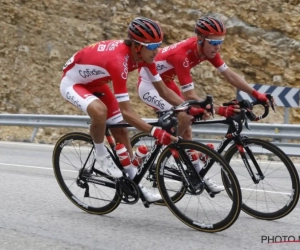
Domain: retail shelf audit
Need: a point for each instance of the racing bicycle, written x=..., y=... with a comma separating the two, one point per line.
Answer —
x=90, y=189
x=268, y=178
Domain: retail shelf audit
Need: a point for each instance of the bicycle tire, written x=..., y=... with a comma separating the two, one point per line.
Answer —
x=193, y=210
x=263, y=200
x=150, y=180
x=69, y=155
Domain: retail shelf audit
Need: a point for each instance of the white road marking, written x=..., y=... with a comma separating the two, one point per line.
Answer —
x=46, y=168
x=24, y=166
x=265, y=191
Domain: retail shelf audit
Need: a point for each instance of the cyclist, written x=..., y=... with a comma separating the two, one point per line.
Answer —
x=178, y=59
x=89, y=70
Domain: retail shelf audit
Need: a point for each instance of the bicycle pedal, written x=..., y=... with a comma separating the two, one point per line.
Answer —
x=212, y=194
x=146, y=204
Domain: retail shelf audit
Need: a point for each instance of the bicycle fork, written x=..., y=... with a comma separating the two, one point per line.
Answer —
x=242, y=148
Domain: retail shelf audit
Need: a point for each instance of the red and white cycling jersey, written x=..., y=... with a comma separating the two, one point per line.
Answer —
x=105, y=61
x=178, y=59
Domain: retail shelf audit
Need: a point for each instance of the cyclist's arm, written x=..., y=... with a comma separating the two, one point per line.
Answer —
x=119, y=75
x=167, y=94
x=191, y=95
x=237, y=81
x=119, y=80
x=132, y=117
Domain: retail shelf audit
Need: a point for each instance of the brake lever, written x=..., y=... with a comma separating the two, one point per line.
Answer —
x=271, y=101
x=165, y=120
x=209, y=101
x=233, y=102
x=203, y=104
x=247, y=124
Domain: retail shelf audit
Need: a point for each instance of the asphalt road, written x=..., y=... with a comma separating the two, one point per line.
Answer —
x=35, y=214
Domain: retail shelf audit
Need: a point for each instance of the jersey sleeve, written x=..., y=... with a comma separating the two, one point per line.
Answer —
x=182, y=68
x=118, y=71
x=218, y=63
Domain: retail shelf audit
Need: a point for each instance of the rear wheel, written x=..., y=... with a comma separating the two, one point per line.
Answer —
x=91, y=192
x=199, y=208
x=277, y=193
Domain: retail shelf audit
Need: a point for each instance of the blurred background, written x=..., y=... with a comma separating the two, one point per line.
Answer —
x=38, y=37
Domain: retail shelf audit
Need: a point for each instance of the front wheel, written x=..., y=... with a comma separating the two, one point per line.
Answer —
x=89, y=191
x=276, y=193
x=199, y=208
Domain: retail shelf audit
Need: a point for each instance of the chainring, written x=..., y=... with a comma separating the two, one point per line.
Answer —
x=127, y=190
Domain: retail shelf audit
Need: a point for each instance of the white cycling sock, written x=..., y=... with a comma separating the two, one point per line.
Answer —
x=100, y=149
x=197, y=165
x=131, y=171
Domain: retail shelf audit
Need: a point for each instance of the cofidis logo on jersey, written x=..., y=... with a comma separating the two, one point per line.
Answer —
x=154, y=99
x=90, y=72
x=125, y=71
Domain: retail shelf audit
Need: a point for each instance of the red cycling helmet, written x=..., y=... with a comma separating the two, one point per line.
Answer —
x=206, y=26
x=145, y=30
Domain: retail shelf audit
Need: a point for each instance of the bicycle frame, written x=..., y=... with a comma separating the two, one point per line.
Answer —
x=230, y=136
x=178, y=154
x=147, y=163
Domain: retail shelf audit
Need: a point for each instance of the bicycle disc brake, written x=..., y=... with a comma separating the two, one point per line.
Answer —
x=128, y=190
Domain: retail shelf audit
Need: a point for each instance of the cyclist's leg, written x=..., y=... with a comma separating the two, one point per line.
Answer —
x=149, y=95
x=114, y=116
x=81, y=96
x=185, y=131
x=187, y=134
x=184, y=128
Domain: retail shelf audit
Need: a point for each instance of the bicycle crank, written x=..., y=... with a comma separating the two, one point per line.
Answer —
x=128, y=190
x=197, y=185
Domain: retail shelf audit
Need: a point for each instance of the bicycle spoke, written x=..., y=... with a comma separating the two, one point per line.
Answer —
x=198, y=208
x=277, y=193
x=70, y=155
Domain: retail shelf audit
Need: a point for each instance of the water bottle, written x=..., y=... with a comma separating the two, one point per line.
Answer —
x=194, y=157
x=204, y=157
x=139, y=155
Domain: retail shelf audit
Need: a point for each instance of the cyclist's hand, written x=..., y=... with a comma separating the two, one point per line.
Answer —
x=228, y=111
x=206, y=116
x=262, y=97
x=259, y=96
x=200, y=112
x=162, y=136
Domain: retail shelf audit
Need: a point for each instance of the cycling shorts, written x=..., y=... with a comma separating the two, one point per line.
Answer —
x=81, y=95
x=149, y=95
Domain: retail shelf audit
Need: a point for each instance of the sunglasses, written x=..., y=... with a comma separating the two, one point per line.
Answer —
x=214, y=42
x=150, y=46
